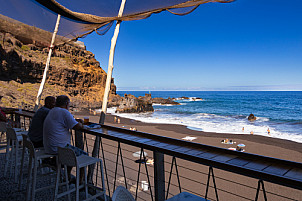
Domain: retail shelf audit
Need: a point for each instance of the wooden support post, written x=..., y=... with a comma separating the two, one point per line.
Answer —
x=47, y=64
x=96, y=147
x=110, y=64
x=159, y=176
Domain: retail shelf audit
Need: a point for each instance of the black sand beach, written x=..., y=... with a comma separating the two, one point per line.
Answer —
x=261, y=145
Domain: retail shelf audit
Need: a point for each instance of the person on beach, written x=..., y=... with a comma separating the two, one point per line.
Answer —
x=252, y=132
x=35, y=132
x=268, y=131
x=242, y=129
x=56, y=129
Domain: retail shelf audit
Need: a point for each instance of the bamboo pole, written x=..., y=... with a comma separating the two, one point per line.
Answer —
x=37, y=103
x=110, y=64
x=97, y=141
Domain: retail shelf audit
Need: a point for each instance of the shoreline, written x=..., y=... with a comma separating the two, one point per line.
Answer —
x=255, y=144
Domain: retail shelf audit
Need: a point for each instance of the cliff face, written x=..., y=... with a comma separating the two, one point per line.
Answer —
x=73, y=71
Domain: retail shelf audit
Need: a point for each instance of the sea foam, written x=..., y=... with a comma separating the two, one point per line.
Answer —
x=213, y=123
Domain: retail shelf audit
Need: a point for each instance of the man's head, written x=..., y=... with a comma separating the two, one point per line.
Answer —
x=63, y=102
x=50, y=102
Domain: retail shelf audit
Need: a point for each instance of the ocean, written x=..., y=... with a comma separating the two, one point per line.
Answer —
x=227, y=112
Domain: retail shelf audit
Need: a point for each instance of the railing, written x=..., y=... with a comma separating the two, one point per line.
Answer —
x=182, y=168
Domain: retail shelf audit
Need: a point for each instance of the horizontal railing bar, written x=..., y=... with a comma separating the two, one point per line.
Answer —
x=109, y=132
x=266, y=176
x=197, y=145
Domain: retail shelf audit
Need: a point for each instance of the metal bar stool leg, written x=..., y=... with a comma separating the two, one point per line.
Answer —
x=16, y=160
x=57, y=181
x=21, y=169
x=11, y=158
x=86, y=186
x=28, y=190
x=7, y=156
x=77, y=183
x=34, y=181
x=67, y=181
x=103, y=179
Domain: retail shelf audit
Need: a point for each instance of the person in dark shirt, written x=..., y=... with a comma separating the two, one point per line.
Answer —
x=35, y=131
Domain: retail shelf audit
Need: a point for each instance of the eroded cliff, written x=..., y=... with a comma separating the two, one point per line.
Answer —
x=73, y=71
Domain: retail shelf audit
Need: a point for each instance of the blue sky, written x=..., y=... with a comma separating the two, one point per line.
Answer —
x=244, y=45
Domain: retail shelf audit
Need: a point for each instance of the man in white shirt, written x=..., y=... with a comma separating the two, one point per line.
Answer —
x=56, y=129
x=57, y=124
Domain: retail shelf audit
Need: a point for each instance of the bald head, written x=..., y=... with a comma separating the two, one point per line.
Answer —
x=50, y=102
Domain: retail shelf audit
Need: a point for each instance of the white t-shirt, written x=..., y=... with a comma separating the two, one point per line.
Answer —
x=56, y=129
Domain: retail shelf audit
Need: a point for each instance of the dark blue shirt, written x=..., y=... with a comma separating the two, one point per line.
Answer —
x=35, y=131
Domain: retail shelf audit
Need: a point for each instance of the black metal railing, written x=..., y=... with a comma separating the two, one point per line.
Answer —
x=182, y=175
x=174, y=172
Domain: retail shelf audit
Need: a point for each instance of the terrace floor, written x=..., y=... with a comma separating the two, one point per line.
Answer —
x=9, y=189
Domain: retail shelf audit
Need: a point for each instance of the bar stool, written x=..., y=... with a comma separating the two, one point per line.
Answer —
x=122, y=194
x=35, y=155
x=12, y=149
x=67, y=157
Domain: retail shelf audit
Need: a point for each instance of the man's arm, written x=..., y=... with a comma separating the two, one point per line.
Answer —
x=79, y=125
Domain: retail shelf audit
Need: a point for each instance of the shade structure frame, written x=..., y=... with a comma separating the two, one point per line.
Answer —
x=37, y=103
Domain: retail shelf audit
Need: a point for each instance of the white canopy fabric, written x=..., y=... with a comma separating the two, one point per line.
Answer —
x=80, y=18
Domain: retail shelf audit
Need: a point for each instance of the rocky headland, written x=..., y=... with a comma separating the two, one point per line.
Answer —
x=73, y=71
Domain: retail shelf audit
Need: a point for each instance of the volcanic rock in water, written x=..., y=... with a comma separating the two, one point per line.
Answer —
x=131, y=104
x=164, y=101
x=251, y=117
x=197, y=99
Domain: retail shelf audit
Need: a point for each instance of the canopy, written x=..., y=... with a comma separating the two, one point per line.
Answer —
x=80, y=18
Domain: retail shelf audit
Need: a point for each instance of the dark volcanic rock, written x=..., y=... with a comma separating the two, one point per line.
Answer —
x=251, y=117
x=164, y=101
x=131, y=104
x=73, y=71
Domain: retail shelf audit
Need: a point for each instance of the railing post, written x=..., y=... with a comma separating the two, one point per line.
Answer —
x=159, y=176
x=18, y=120
x=79, y=142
